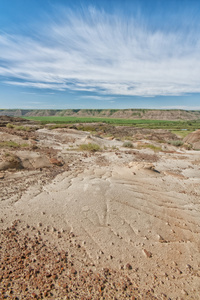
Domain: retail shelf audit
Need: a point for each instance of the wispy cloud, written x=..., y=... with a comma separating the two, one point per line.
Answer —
x=98, y=98
x=184, y=107
x=96, y=52
x=29, y=93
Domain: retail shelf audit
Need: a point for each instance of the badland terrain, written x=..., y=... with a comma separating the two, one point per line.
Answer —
x=99, y=211
x=153, y=114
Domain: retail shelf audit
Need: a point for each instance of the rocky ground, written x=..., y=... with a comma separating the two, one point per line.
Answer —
x=122, y=222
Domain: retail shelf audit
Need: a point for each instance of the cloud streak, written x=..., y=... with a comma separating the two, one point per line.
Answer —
x=96, y=52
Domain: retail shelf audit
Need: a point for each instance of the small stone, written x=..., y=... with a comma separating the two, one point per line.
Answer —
x=184, y=292
x=136, y=269
x=147, y=253
x=189, y=267
x=45, y=293
x=128, y=267
x=56, y=162
x=73, y=271
x=161, y=239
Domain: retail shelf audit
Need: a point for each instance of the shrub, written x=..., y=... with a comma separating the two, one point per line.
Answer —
x=9, y=125
x=187, y=146
x=115, y=148
x=129, y=138
x=176, y=143
x=19, y=127
x=127, y=145
x=90, y=147
x=23, y=128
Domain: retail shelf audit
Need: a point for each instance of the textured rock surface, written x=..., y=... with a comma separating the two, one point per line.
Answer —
x=115, y=224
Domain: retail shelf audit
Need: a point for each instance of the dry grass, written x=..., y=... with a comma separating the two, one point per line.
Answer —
x=11, y=144
x=90, y=147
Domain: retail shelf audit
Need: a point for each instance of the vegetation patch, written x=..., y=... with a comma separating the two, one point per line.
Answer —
x=55, y=126
x=11, y=144
x=127, y=144
x=181, y=133
x=140, y=123
x=89, y=128
x=152, y=147
x=90, y=147
x=20, y=127
x=176, y=143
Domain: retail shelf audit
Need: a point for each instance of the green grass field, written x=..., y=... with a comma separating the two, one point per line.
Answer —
x=151, y=124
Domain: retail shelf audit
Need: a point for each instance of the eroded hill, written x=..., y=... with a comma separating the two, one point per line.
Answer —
x=108, y=113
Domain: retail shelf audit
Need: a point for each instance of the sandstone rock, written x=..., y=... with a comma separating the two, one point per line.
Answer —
x=11, y=161
x=56, y=162
x=148, y=254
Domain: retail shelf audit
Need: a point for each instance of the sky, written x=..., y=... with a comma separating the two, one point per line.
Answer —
x=65, y=54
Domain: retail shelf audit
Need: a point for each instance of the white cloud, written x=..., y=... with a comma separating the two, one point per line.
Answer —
x=98, y=98
x=184, y=107
x=105, y=54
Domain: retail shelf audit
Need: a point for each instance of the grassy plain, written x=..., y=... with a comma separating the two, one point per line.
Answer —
x=151, y=124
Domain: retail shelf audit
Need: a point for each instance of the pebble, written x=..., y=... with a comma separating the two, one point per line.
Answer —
x=148, y=254
x=184, y=292
x=2, y=176
x=161, y=239
x=128, y=267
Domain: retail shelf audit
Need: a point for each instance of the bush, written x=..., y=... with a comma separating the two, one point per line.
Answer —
x=90, y=147
x=127, y=145
x=9, y=125
x=187, y=146
x=176, y=143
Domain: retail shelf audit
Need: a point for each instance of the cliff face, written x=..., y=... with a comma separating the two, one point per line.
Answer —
x=153, y=114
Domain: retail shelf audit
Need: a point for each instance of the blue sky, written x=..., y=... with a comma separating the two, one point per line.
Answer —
x=100, y=54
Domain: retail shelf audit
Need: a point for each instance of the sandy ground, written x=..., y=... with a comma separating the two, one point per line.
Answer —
x=128, y=212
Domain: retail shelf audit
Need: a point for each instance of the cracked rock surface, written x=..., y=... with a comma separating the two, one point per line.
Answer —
x=114, y=224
